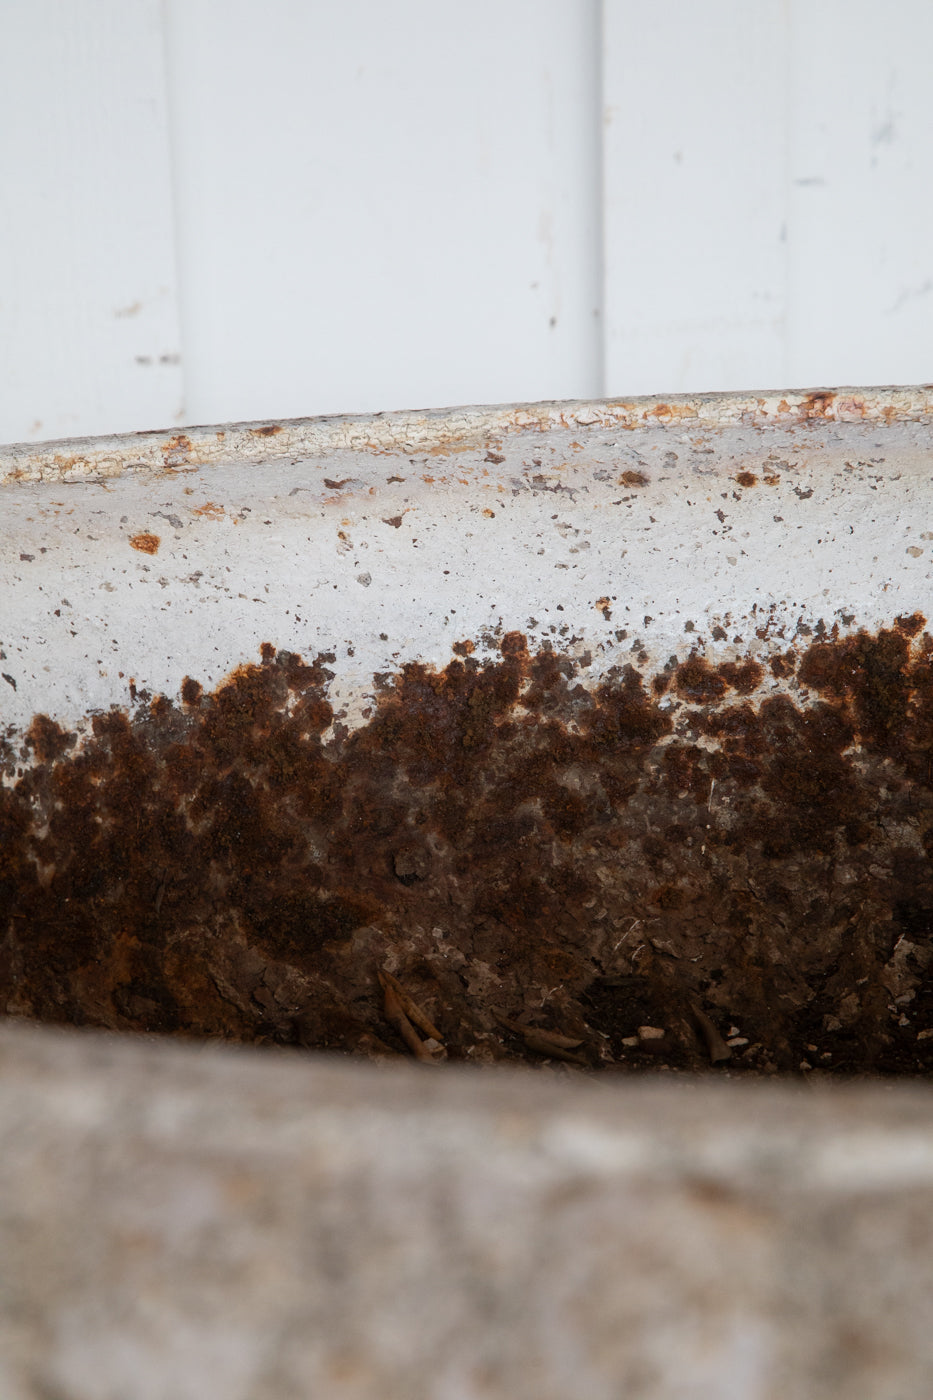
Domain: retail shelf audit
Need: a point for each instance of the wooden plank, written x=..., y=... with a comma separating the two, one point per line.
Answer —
x=90, y=339
x=861, y=193
x=694, y=151
x=385, y=205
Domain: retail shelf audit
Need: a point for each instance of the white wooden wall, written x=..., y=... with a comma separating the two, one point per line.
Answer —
x=217, y=209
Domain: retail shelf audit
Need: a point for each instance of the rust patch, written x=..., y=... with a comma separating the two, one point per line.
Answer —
x=145, y=543
x=177, y=451
x=632, y=875
x=747, y=479
x=696, y=680
x=269, y=430
x=670, y=412
x=743, y=676
x=633, y=478
x=211, y=510
x=911, y=625
x=191, y=691
x=818, y=405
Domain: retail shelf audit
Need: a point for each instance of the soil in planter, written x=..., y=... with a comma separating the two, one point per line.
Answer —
x=715, y=866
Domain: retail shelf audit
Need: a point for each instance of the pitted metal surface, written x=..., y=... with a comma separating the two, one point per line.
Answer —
x=577, y=727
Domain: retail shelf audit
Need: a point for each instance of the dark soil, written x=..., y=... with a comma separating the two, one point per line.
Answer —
x=643, y=868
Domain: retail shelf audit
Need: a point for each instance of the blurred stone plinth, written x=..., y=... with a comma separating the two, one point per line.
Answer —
x=184, y=1222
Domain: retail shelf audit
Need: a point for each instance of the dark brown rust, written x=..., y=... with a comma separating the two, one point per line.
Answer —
x=519, y=849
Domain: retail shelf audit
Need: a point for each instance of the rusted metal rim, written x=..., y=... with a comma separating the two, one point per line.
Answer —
x=445, y=430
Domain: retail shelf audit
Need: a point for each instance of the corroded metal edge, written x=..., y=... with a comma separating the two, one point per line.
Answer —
x=443, y=430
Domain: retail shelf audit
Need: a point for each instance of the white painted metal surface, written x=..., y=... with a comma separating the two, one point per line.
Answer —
x=619, y=531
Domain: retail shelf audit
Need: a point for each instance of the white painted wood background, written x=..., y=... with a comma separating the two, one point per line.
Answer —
x=227, y=209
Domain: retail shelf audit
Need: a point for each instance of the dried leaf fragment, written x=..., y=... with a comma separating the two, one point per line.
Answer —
x=428, y=1053
x=717, y=1047
x=549, y=1043
x=410, y=1007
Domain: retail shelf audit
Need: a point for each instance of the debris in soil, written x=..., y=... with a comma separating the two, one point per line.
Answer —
x=722, y=865
x=410, y=1008
x=548, y=1043
x=400, y=1011
x=717, y=1047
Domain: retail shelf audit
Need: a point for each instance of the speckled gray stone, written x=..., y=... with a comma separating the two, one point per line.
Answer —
x=180, y=1222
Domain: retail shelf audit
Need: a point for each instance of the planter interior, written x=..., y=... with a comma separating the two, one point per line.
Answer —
x=592, y=735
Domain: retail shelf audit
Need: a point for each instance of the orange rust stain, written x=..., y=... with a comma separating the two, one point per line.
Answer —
x=746, y=479
x=668, y=412
x=632, y=478
x=269, y=430
x=66, y=464
x=210, y=509
x=145, y=543
x=490, y=514
x=817, y=405
x=603, y=605
x=177, y=450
